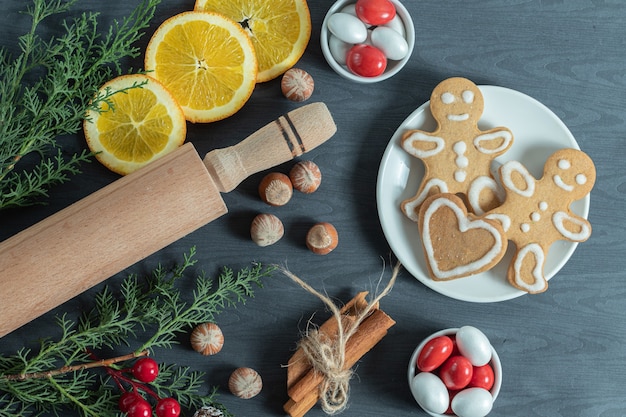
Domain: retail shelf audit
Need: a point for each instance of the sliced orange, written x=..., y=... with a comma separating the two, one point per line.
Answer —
x=280, y=29
x=136, y=125
x=207, y=61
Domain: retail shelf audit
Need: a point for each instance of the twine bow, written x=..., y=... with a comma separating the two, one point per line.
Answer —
x=327, y=355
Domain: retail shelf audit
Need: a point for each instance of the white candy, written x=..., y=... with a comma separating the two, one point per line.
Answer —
x=350, y=9
x=472, y=402
x=397, y=25
x=430, y=392
x=474, y=345
x=338, y=49
x=348, y=28
x=389, y=41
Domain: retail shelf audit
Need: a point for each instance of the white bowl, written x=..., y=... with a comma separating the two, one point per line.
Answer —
x=495, y=364
x=393, y=67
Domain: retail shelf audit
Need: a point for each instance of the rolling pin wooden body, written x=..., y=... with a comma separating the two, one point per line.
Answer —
x=139, y=214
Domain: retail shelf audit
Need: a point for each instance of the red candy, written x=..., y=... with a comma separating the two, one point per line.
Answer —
x=456, y=372
x=366, y=60
x=375, y=12
x=482, y=377
x=434, y=353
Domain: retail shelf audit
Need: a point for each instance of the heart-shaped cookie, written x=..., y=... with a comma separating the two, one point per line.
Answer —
x=457, y=243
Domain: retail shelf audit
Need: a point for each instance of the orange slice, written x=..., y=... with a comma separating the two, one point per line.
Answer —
x=136, y=125
x=207, y=61
x=280, y=29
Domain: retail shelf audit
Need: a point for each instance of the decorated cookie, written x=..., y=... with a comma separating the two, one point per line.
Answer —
x=457, y=243
x=457, y=156
x=536, y=213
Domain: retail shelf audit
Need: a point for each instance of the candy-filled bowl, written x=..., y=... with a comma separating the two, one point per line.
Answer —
x=455, y=372
x=359, y=48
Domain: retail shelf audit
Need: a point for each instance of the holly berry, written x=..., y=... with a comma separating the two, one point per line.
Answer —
x=127, y=399
x=139, y=408
x=145, y=370
x=168, y=407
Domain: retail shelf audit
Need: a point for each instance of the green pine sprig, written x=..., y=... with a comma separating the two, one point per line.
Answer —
x=46, y=90
x=144, y=315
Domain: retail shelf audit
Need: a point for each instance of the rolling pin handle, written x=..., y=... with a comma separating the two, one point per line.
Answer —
x=280, y=141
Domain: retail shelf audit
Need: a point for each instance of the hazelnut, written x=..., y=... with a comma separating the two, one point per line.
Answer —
x=207, y=338
x=266, y=229
x=245, y=383
x=276, y=189
x=209, y=411
x=297, y=84
x=322, y=238
x=305, y=176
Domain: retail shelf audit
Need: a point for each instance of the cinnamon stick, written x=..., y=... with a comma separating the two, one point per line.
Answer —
x=303, y=381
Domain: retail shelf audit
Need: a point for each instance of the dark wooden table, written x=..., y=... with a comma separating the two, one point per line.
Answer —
x=562, y=351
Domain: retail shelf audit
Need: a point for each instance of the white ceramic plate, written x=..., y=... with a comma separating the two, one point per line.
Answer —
x=537, y=132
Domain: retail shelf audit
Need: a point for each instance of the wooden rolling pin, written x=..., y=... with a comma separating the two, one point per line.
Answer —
x=106, y=232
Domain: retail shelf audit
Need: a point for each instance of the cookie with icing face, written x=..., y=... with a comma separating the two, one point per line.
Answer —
x=457, y=156
x=536, y=213
x=457, y=243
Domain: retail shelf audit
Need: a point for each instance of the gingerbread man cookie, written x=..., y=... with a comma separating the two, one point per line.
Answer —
x=457, y=155
x=536, y=213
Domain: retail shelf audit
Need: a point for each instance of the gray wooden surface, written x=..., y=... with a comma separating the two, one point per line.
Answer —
x=563, y=351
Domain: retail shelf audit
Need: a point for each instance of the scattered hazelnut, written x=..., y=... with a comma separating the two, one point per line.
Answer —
x=297, y=84
x=207, y=338
x=322, y=238
x=208, y=411
x=245, y=383
x=266, y=229
x=276, y=189
x=305, y=176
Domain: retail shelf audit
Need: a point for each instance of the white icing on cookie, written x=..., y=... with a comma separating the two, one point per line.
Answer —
x=407, y=144
x=461, y=161
x=504, y=220
x=534, y=250
x=458, y=117
x=559, y=218
x=561, y=184
x=409, y=207
x=447, y=98
x=525, y=227
x=476, y=188
x=581, y=179
x=543, y=206
x=468, y=96
x=534, y=216
x=488, y=137
x=564, y=164
x=465, y=224
x=516, y=167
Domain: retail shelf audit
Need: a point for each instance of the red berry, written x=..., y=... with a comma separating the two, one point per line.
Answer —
x=140, y=408
x=127, y=399
x=145, y=369
x=168, y=407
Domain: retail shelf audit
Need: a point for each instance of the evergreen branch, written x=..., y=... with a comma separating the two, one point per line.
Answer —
x=71, y=69
x=62, y=373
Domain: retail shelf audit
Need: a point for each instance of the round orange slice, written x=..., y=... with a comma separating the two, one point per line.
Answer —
x=207, y=61
x=137, y=124
x=279, y=29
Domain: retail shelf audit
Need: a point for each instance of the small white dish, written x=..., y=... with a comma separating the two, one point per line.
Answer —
x=495, y=363
x=393, y=67
x=537, y=132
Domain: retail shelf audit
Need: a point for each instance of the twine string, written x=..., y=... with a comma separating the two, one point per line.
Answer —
x=328, y=356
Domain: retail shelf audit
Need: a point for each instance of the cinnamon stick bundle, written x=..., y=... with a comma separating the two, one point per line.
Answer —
x=303, y=381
